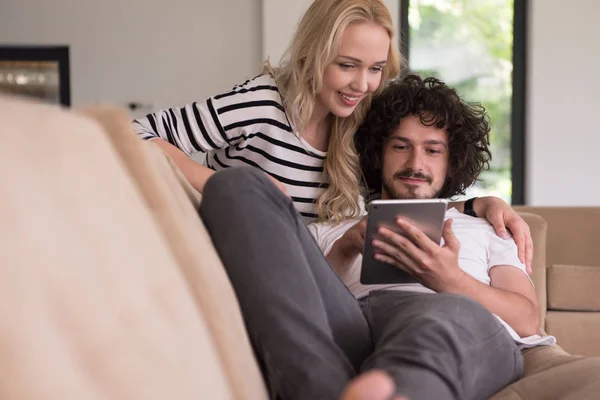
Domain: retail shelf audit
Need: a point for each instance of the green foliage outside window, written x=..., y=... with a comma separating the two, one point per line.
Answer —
x=469, y=44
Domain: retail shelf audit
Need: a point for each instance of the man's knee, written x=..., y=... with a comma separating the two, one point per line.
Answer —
x=236, y=177
x=231, y=184
x=241, y=190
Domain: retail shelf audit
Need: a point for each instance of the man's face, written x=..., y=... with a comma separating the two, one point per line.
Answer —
x=415, y=161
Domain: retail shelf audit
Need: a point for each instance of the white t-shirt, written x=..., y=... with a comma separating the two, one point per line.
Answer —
x=480, y=250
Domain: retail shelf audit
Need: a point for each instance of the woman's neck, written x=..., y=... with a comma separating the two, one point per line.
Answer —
x=317, y=131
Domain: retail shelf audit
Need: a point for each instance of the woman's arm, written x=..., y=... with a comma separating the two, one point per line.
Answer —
x=195, y=173
x=215, y=123
x=502, y=217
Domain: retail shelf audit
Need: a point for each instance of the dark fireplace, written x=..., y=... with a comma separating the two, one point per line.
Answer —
x=36, y=71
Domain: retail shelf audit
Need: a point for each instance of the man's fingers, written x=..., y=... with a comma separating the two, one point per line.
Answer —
x=416, y=236
x=399, y=242
x=387, y=253
x=450, y=240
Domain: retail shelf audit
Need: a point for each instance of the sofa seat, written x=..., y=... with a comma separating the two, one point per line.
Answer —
x=551, y=374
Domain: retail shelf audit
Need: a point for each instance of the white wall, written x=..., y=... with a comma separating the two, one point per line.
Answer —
x=168, y=53
x=160, y=52
x=563, y=132
x=279, y=20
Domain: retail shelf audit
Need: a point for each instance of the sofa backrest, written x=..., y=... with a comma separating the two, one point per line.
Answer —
x=173, y=204
x=573, y=234
x=94, y=303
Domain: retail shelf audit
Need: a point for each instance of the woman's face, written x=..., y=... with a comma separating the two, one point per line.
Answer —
x=357, y=69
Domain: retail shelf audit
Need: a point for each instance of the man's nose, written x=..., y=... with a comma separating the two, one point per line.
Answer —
x=415, y=161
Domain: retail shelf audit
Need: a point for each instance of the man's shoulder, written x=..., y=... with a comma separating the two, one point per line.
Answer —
x=468, y=224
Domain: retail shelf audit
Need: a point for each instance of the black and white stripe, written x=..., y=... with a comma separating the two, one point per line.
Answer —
x=246, y=126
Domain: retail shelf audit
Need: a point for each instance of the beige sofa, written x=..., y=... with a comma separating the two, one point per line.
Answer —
x=110, y=287
x=569, y=285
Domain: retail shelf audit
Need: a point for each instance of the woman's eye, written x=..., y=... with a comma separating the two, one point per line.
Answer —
x=377, y=69
x=346, y=66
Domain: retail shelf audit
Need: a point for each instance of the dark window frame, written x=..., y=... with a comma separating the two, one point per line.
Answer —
x=519, y=90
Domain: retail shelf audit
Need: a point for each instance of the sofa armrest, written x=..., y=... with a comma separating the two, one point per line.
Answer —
x=538, y=228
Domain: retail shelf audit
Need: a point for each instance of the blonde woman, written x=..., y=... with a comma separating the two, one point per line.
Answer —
x=296, y=122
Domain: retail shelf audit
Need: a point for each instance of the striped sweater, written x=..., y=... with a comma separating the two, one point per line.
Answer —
x=246, y=126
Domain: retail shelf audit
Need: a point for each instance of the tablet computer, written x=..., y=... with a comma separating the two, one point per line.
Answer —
x=427, y=215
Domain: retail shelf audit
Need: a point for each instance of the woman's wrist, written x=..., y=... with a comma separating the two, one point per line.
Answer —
x=469, y=207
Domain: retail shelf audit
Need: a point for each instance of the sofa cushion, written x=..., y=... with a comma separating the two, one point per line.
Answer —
x=173, y=203
x=573, y=288
x=576, y=332
x=93, y=304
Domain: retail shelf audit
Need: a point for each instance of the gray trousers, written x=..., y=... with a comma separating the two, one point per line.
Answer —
x=309, y=333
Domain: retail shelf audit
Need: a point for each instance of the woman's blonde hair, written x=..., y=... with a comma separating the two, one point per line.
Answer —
x=300, y=78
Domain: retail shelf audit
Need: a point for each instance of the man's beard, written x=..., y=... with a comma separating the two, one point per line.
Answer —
x=390, y=189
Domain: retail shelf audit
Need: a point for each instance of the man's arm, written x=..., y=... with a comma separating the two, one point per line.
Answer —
x=347, y=248
x=510, y=296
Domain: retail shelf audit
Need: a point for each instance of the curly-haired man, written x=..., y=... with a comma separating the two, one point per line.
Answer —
x=436, y=340
x=420, y=140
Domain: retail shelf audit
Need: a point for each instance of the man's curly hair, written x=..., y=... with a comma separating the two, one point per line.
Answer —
x=437, y=105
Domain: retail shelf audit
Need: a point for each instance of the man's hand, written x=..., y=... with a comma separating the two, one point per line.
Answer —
x=434, y=266
x=502, y=216
x=348, y=247
x=352, y=243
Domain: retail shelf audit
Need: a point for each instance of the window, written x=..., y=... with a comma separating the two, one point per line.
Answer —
x=477, y=47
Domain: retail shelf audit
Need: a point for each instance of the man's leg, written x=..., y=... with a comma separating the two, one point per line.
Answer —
x=306, y=327
x=440, y=346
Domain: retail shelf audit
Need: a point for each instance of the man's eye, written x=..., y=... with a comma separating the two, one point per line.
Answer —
x=434, y=151
x=400, y=147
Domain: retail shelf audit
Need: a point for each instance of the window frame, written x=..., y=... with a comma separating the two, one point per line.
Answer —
x=519, y=90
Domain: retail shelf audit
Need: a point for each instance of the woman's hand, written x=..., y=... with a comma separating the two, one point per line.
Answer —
x=502, y=216
x=279, y=185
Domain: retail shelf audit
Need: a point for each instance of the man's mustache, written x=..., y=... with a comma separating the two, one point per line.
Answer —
x=409, y=173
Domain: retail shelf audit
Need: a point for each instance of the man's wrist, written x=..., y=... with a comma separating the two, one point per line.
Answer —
x=457, y=285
